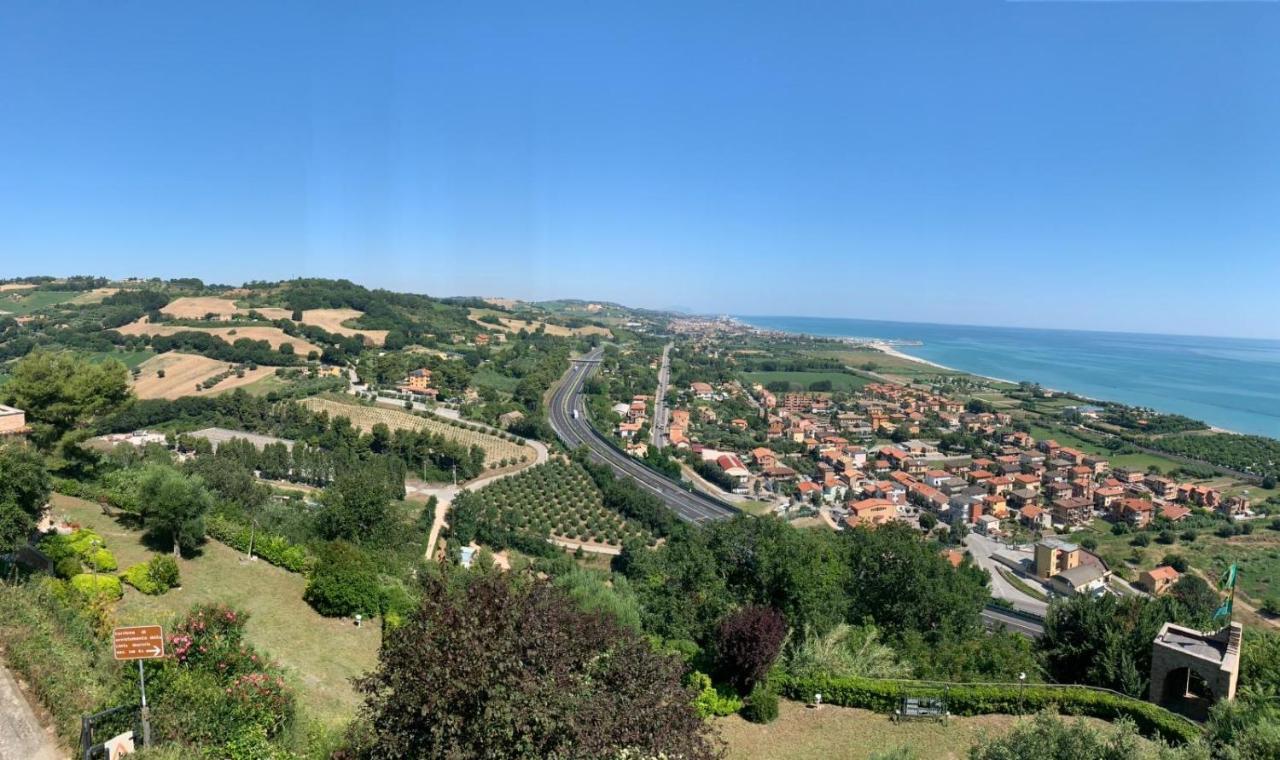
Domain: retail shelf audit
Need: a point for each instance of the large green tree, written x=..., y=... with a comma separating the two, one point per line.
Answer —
x=24, y=490
x=63, y=393
x=491, y=666
x=173, y=507
x=357, y=506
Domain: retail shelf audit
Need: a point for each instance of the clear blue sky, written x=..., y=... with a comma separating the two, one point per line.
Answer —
x=1111, y=165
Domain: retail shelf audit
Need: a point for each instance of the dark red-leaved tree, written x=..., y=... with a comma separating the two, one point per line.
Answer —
x=490, y=666
x=747, y=642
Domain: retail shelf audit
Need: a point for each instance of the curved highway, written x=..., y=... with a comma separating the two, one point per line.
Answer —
x=576, y=431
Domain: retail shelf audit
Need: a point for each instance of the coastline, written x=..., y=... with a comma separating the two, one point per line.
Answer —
x=889, y=348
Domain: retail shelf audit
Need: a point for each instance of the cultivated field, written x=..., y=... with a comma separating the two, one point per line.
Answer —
x=273, y=335
x=365, y=417
x=195, y=307
x=184, y=372
x=332, y=319
x=94, y=296
x=510, y=324
x=558, y=499
x=8, y=286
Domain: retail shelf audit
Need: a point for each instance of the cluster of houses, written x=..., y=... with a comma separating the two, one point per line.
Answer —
x=635, y=416
x=1040, y=484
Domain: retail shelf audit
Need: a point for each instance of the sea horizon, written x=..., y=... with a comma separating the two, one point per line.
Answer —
x=1228, y=382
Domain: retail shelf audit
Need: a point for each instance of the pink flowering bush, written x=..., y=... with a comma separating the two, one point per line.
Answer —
x=216, y=683
x=262, y=699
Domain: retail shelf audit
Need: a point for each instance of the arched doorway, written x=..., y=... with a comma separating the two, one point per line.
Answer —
x=1187, y=692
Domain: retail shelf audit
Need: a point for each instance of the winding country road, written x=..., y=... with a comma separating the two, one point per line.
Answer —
x=575, y=431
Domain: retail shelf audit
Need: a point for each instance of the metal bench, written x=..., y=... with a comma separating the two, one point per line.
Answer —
x=916, y=708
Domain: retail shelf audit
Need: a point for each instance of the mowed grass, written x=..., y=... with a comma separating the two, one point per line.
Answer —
x=321, y=654
x=800, y=381
x=844, y=733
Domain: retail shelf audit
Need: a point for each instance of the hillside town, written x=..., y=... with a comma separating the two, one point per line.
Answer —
x=980, y=472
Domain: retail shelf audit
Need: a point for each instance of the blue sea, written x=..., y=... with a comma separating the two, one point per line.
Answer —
x=1232, y=383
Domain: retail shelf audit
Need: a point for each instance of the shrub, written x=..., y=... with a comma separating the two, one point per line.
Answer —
x=139, y=577
x=342, y=583
x=274, y=549
x=710, y=700
x=762, y=705
x=154, y=577
x=747, y=643
x=92, y=586
x=1144, y=539
x=67, y=567
x=102, y=560
x=163, y=571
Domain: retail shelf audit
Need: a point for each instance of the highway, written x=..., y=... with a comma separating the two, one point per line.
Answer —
x=1013, y=620
x=576, y=431
x=660, y=411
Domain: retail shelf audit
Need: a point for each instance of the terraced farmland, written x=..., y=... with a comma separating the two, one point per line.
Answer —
x=556, y=499
x=365, y=417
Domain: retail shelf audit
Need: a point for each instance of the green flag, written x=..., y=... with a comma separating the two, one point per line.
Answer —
x=1228, y=580
x=1224, y=611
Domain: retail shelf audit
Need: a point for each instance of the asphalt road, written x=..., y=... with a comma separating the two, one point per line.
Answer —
x=1011, y=620
x=691, y=507
x=660, y=411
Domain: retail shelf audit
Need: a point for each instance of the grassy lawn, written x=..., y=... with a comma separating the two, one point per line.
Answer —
x=18, y=304
x=838, y=733
x=321, y=654
x=754, y=507
x=840, y=381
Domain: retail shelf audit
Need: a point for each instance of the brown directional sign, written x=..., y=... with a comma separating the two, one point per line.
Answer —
x=138, y=642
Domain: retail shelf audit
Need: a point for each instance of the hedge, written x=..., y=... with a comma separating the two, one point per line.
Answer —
x=982, y=699
x=97, y=585
x=274, y=549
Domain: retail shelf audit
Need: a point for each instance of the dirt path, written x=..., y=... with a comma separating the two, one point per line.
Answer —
x=21, y=735
x=444, y=494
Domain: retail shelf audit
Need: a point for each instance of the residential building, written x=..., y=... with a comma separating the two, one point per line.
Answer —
x=1084, y=579
x=1053, y=556
x=871, y=512
x=13, y=422
x=1158, y=580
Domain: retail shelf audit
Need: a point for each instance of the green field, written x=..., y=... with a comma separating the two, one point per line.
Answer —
x=17, y=303
x=321, y=654
x=487, y=378
x=1257, y=555
x=129, y=359
x=800, y=381
x=1139, y=460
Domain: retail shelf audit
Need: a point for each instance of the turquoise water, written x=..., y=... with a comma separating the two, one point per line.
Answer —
x=1233, y=383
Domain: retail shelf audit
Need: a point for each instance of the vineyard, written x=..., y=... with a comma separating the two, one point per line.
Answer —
x=498, y=450
x=555, y=499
